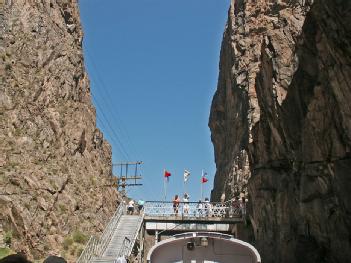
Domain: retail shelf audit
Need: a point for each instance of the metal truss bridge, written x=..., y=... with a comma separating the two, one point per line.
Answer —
x=125, y=230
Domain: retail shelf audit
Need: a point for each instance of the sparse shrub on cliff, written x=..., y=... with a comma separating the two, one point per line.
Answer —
x=8, y=67
x=72, y=242
x=8, y=238
x=94, y=181
x=27, y=205
x=76, y=249
x=79, y=237
x=73, y=249
x=79, y=251
x=17, y=132
x=52, y=183
x=67, y=242
x=62, y=208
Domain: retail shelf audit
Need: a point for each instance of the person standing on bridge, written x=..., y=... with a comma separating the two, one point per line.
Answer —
x=222, y=206
x=199, y=208
x=222, y=198
x=176, y=202
x=208, y=207
x=186, y=203
x=243, y=206
x=130, y=210
x=140, y=205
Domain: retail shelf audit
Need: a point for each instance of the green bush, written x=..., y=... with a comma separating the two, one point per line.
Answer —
x=8, y=238
x=79, y=237
x=79, y=251
x=67, y=242
x=62, y=208
x=73, y=250
x=4, y=251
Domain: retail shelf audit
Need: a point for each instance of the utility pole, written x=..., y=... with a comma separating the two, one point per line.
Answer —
x=128, y=175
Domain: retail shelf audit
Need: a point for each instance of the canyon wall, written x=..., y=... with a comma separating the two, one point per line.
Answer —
x=55, y=166
x=281, y=125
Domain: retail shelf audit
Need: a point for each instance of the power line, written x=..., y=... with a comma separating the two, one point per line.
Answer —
x=108, y=123
x=98, y=81
x=123, y=150
x=111, y=138
x=107, y=103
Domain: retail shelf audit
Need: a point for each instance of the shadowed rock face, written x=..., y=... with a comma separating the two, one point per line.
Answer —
x=54, y=163
x=289, y=116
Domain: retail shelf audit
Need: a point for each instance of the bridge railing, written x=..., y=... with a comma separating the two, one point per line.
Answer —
x=109, y=229
x=194, y=209
x=89, y=251
x=96, y=246
x=128, y=244
x=125, y=245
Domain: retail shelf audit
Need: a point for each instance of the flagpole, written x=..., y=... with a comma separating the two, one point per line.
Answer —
x=164, y=185
x=202, y=175
x=184, y=185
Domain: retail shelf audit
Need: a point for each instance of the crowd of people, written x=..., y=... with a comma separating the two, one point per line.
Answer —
x=202, y=208
x=207, y=209
x=225, y=208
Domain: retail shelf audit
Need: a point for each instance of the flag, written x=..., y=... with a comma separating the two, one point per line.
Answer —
x=203, y=178
x=167, y=174
x=186, y=175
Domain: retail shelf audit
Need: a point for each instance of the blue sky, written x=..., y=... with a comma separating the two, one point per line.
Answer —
x=153, y=66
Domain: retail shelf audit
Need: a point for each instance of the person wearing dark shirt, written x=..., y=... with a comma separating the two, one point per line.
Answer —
x=15, y=258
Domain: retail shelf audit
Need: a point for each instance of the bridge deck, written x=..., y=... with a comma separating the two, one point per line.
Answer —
x=193, y=212
x=190, y=219
x=163, y=216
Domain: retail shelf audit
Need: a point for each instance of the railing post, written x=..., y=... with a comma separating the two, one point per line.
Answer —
x=156, y=236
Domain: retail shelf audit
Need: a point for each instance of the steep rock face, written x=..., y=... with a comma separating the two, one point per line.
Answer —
x=282, y=104
x=235, y=107
x=55, y=165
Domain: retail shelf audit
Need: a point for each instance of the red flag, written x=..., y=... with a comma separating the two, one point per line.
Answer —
x=204, y=179
x=167, y=174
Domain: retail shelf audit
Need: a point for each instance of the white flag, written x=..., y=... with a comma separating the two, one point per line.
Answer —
x=186, y=175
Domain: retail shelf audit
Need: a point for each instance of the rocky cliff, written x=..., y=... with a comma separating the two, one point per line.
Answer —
x=281, y=125
x=54, y=163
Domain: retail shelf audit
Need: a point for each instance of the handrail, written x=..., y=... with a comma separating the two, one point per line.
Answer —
x=125, y=245
x=96, y=246
x=202, y=234
x=129, y=251
x=202, y=202
x=128, y=244
x=109, y=230
x=89, y=250
x=181, y=202
x=228, y=202
x=195, y=209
